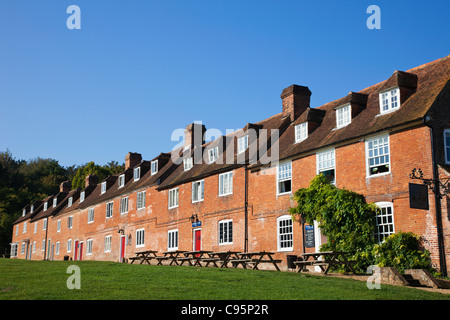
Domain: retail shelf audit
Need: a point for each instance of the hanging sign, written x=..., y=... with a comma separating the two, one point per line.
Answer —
x=309, y=237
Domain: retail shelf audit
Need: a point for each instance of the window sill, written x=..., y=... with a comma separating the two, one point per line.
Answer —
x=378, y=175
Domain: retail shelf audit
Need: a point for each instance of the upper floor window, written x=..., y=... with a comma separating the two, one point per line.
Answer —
x=55, y=202
x=213, y=154
x=91, y=215
x=326, y=165
x=242, y=143
x=69, y=222
x=103, y=187
x=121, y=180
x=24, y=212
x=82, y=195
x=45, y=206
x=377, y=154
x=284, y=178
x=173, y=198
x=109, y=209
x=154, y=167
x=140, y=201
x=187, y=163
x=343, y=116
x=447, y=145
x=225, y=183
x=198, y=190
x=70, y=202
x=137, y=173
x=301, y=132
x=124, y=205
x=389, y=100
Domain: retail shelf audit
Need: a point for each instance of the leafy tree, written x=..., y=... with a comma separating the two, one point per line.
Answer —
x=102, y=172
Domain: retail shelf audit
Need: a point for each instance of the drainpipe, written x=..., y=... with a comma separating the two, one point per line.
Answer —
x=46, y=240
x=246, y=207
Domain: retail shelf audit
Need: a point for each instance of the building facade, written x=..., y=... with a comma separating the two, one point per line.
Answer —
x=234, y=193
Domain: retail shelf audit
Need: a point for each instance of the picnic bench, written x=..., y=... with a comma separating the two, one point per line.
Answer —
x=254, y=258
x=195, y=257
x=144, y=256
x=222, y=257
x=324, y=260
x=171, y=256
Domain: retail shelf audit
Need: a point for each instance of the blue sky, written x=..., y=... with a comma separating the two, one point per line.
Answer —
x=138, y=70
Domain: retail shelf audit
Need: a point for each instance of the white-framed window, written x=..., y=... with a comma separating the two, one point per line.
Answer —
x=187, y=163
x=69, y=222
x=213, y=154
x=45, y=206
x=34, y=247
x=89, y=246
x=108, y=243
x=82, y=195
x=103, y=187
x=124, y=205
x=70, y=202
x=198, y=191
x=140, y=234
x=284, y=178
x=384, y=221
x=173, y=198
x=154, y=167
x=301, y=132
x=226, y=232
x=44, y=225
x=447, y=145
x=343, y=116
x=69, y=245
x=242, y=143
x=17, y=229
x=389, y=100
x=58, y=226
x=43, y=244
x=55, y=202
x=140, y=200
x=57, y=248
x=285, y=233
x=121, y=180
x=24, y=227
x=109, y=209
x=24, y=212
x=326, y=165
x=91, y=215
x=22, y=248
x=35, y=227
x=32, y=208
x=137, y=173
x=14, y=247
x=226, y=183
x=378, y=156
x=172, y=239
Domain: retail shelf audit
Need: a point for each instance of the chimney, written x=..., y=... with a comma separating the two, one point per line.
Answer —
x=295, y=100
x=91, y=180
x=132, y=159
x=194, y=135
x=65, y=186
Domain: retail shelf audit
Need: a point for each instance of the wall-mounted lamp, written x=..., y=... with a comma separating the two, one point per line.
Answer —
x=194, y=218
x=121, y=231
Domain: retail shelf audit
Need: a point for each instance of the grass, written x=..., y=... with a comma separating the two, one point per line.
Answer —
x=46, y=280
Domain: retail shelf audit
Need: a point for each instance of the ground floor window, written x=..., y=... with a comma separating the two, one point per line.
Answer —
x=140, y=238
x=14, y=249
x=384, y=221
x=226, y=232
x=285, y=233
x=172, y=243
x=89, y=246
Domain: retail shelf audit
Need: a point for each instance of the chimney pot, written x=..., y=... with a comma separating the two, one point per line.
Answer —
x=295, y=100
x=132, y=159
x=66, y=186
x=91, y=179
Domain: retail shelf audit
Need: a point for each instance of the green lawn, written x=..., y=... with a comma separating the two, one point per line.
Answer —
x=46, y=280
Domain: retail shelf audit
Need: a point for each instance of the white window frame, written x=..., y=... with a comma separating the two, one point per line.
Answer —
x=58, y=226
x=343, y=116
x=213, y=154
x=173, y=198
x=154, y=167
x=198, y=191
x=70, y=202
x=121, y=180
x=225, y=184
x=103, y=187
x=225, y=232
x=34, y=247
x=140, y=238
x=109, y=209
x=384, y=223
x=140, y=200
x=187, y=164
x=45, y=206
x=108, y=239
x=242, y=143
x=326, y=161
x=82, y=196
x=55, y=202
x=172, y=240
x=57, y=248
x=284, y=173
x=446, y=146
x=301, y=132
x=24, y=230
x=124, y=205
x=44, y=226
x=35, y=227
x=137, y=173
x=285, y=233
x=69, y=245
x=89, y=243
x=14, y=249
x=70, y=222
x=91, y=213
x=374, y=155
x=389, y=100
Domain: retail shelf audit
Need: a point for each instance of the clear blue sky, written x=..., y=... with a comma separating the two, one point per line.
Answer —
x=137, y=70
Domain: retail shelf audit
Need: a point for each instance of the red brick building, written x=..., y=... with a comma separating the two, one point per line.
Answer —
x=237, y=189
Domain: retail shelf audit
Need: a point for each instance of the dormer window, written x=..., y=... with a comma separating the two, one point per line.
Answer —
x=242, y=144
x=187, y=163
x=154, y=168
x=45, y=206
x=103, y=187
x=343, y=116
x=24, y=212
x=389, y=100
x=301, y=132
x=137, y=173
x=70, y=202
x=121, y=180
x=55, y=202
x=32, y=209
x=82, y=195
x=213, y=154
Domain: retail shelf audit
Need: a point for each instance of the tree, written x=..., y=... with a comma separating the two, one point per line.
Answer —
x=102, y=172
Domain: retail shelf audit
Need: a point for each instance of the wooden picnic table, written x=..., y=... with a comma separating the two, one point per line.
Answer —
x=255, y=258
x=325, y=260
x=222, y=257
x=144, y=256
x=196, y=257
x=170, y=255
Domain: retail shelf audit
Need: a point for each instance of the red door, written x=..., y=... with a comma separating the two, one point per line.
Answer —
x=81, y=251
x=198, y=240
x=75, y=249
x=122, y=248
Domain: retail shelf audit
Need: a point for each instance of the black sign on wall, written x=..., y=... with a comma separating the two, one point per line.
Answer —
x=309, y=237
x=418, y=196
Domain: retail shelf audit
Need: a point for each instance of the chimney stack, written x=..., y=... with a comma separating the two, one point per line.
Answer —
x=66, y=186
x=295, y=100
x=132, y=159
x=91, y=180
x=194, y=135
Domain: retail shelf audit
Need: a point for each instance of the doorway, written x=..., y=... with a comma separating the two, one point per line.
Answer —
x=197, y=245
x=122, y=248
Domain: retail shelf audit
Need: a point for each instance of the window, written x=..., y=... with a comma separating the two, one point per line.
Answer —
x=187, y=163
x=301, y=132
x=14, y=249
x=45, y=206
x=24, y=212
x=226, y=232
x=35, y=227
x=242, y=143
x=121, y=180
x=58, y=226
x=389, y=100
x=82, y=195
x=285, y=233
x=124, y=205
x=103, y=187
x=384, y=221
x=137, y=173
x=197, y=191
x=377, y=153
x=22, y=248
x=89, y=246
x=140, y=203
x=343, y=116
x=109, y=209
x=34, y=247
x=32, y=209
x=69, y=245
x=91, y=215
x=154, y=167
x=172, y=240
x=43, y=244
x=173, y=198
x=284, y=174
x=55, y=202
x=17, y=230
x=69, y=222
x=70, y=202
x=213, y=154
x=326, y=165
x=24, y=227
x=140, y=238
x=44, y=226
x=107, y=243
x=57, y=248
x=447, y=145
x=225, y=184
